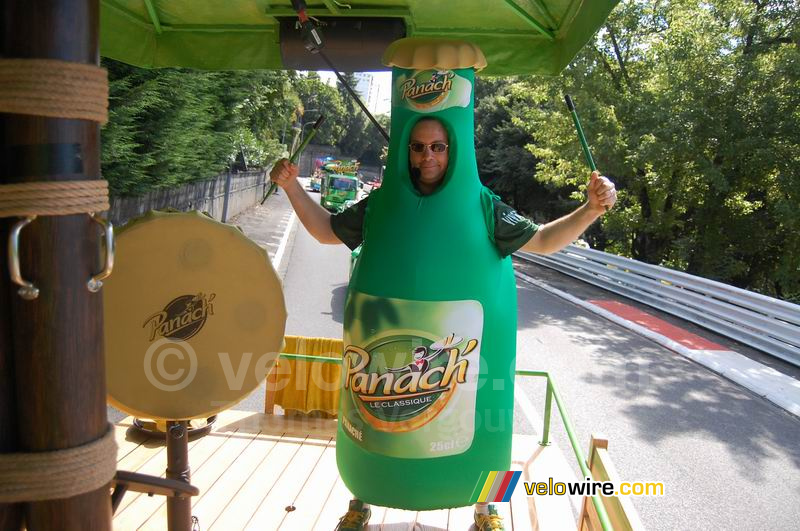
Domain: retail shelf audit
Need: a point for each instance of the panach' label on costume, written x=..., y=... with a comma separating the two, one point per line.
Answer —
x=409, y=375
x=432, y=90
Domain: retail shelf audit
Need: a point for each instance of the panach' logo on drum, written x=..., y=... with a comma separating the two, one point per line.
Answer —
x=181, y=318
x=427, y=88
x=407, y=396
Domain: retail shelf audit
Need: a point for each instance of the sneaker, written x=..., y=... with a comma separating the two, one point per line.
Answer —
x=489, y=522
x=356, y=518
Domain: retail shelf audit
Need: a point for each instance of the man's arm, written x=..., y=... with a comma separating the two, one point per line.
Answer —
x=314, y=218
x=557, y=234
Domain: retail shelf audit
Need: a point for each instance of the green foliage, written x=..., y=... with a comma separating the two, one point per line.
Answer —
x=354, y=140
x=692, y=109
x=345, y=126
x=260, y=106
x=171, y=126
x=504, y=161
x=319, y=99
x=376, y=149
x=360, y=138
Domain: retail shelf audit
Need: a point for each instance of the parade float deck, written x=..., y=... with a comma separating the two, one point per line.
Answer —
x=252, y=468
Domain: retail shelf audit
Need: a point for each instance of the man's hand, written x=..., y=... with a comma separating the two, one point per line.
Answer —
x=556, y=235
x=601, y=192
x=284, y=173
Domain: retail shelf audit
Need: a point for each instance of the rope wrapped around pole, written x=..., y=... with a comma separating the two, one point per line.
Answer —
x=58, y=89
x=39, y=476
x=54, y=198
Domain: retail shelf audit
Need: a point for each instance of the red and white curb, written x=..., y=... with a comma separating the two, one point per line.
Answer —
x=778, y=388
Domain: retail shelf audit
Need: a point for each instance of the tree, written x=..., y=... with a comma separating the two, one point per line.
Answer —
x=324, y=100
x=162, y=129
x=693, y=110
x=258, y=106
x=504, y=162
x=171, y=126
x=345, y=126
x=354, y=140
x=375, y=143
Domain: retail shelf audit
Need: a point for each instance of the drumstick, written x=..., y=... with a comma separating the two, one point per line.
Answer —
x=581, y=136
x=296, y=154
x=306, y=140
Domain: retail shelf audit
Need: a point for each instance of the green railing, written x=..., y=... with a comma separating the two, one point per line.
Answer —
x=308, y=357
x=552, y=394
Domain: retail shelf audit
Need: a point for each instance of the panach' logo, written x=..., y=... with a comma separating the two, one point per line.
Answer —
x=181, y=318
x=427, y=88
x=408, y=396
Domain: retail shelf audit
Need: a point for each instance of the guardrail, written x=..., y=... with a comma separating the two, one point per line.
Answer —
x=767, y=324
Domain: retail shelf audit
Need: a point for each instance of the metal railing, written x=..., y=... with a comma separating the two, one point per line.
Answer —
x=767, y=324
x=551, y=395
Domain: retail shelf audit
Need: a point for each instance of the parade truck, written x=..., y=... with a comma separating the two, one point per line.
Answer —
x=338, y=184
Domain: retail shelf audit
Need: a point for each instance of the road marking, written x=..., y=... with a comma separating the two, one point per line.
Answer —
x=276, y=261
x=527, y=409
x=659, y=326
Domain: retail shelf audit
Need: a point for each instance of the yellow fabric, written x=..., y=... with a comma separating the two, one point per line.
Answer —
x=307, y=386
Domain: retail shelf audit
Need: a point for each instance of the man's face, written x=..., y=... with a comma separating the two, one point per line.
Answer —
x=432, y=166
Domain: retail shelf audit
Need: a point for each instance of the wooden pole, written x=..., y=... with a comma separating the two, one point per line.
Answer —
x=10, y=514
x=57, y=339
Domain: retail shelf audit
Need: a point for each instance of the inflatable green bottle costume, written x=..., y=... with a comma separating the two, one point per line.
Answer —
x=430, y=319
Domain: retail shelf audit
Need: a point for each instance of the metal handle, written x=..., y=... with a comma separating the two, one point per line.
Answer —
x=96, y=282
x=27, y=290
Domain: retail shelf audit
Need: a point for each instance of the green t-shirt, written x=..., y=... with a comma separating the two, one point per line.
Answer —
x=511, y=230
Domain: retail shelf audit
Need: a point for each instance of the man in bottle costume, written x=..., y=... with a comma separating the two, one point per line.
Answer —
x=434, y=264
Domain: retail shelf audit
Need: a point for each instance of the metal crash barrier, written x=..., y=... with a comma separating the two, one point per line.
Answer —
x=767, y=324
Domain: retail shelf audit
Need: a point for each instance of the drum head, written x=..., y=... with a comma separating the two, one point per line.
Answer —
x=194, y=317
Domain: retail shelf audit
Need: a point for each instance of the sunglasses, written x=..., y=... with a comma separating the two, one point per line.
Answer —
x=419, y=147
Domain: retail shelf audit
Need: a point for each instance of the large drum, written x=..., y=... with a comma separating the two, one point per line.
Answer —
x=194, y=317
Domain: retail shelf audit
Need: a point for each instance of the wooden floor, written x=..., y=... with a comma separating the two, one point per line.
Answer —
x=252, y=467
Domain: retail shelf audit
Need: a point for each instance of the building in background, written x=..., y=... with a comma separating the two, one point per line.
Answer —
x=366, y=89
x=374, y=88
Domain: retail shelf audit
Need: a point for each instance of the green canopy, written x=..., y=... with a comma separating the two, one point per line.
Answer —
x=517, y=36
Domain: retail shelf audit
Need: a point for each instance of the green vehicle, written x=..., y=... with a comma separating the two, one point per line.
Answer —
x=338, y=191
x=339, y=186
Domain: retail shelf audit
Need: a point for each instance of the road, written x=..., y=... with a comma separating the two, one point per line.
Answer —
x=728, y=459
